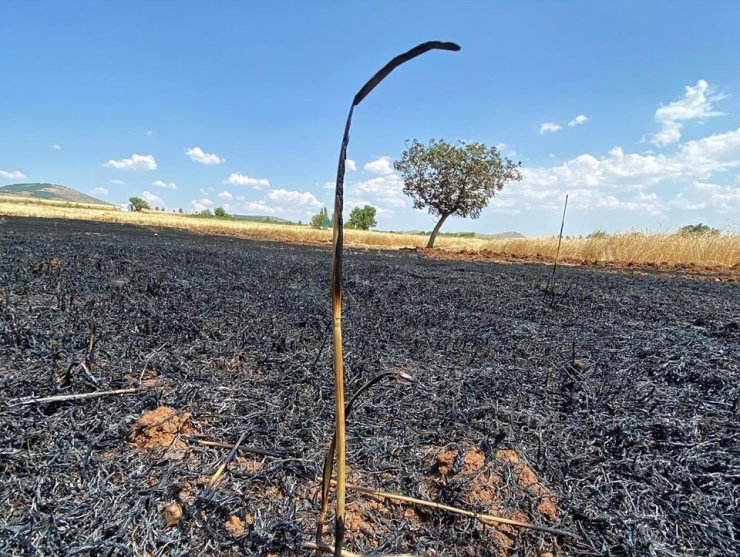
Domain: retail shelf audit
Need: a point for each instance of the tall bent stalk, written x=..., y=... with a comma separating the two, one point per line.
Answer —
x=336, y=283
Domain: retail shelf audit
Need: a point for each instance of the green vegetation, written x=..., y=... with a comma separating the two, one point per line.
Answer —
x=362, y=218
x=453, y=179
x=698, y=229
x=598, y=235
x=138, y=204
x=320, y=219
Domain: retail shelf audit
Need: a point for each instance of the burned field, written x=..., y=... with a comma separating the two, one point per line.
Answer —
x=611, y=414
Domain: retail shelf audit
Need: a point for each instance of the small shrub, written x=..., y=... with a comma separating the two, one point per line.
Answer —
x=320, y=219
x=698, y=229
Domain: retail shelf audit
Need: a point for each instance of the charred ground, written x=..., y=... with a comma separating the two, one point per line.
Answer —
x=611, y=413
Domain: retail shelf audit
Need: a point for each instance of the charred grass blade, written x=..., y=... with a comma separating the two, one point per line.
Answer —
x=336, y=279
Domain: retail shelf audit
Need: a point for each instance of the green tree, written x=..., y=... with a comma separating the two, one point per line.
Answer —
x=138, y=204
x=453, y=179
x=698, y=229
x=320, y=218
x=220, y=212
x=362, y=218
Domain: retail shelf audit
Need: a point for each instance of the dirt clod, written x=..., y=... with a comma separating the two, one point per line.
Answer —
x=172, y=515
x=161, y=427
x=235, y=526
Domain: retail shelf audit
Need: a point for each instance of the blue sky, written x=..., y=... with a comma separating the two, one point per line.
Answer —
x=205, y=104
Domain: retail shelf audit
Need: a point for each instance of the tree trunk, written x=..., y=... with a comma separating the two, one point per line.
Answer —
x=430, y=243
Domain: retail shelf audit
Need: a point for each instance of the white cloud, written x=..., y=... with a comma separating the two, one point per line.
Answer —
x=201, y=204
x=198, y=155
x=697, y=159
x=695, y=104
x=350, y=164
x=100, y=191
x=225, y=195
x=707, y=197
x=304, y=199
x=549, y=127
x=578, y=120
x=56, y=147
x=12, y=175
x=153, y=199
x=164, y=185
x=149, y=133
x=382, y=165
x=118, y=182
x=258, y=208
x=135, y=162
x=385, y=191
x=238, y=179
x=683, y=181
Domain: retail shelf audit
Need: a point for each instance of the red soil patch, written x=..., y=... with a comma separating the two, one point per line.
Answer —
x=161, y=427
x=490, y=486
x=503, y=485
x=172, y=515
x=235, y=526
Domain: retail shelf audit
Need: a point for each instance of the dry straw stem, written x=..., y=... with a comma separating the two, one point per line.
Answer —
x=336, y=277
x=329, y=459
x=80, y=396
x=217, y=474
x=551, y=284
x=485, y=518
x=705, y=250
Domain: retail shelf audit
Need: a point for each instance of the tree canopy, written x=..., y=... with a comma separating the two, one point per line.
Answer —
x=362, y=218
x=698, y=229
x=320, y=219
x=455, y=180
x=138, y=204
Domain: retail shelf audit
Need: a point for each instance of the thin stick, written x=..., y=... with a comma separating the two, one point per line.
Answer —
x=91, y=344
x=82, y=396
x=226, y=461
x=336, y=278
x=485, y=518
x=329, y=459
x=551, y=285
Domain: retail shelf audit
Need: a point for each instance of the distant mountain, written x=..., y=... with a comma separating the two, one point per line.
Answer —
x=509, y=234
x=499, y=235
x=51, y=192
x=260, y=218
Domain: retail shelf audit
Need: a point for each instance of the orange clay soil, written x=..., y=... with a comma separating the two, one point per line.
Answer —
x=161, y=427
x=489, y=486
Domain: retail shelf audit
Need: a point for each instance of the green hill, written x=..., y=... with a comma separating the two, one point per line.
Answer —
x=260, y=218
x=51, y=192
